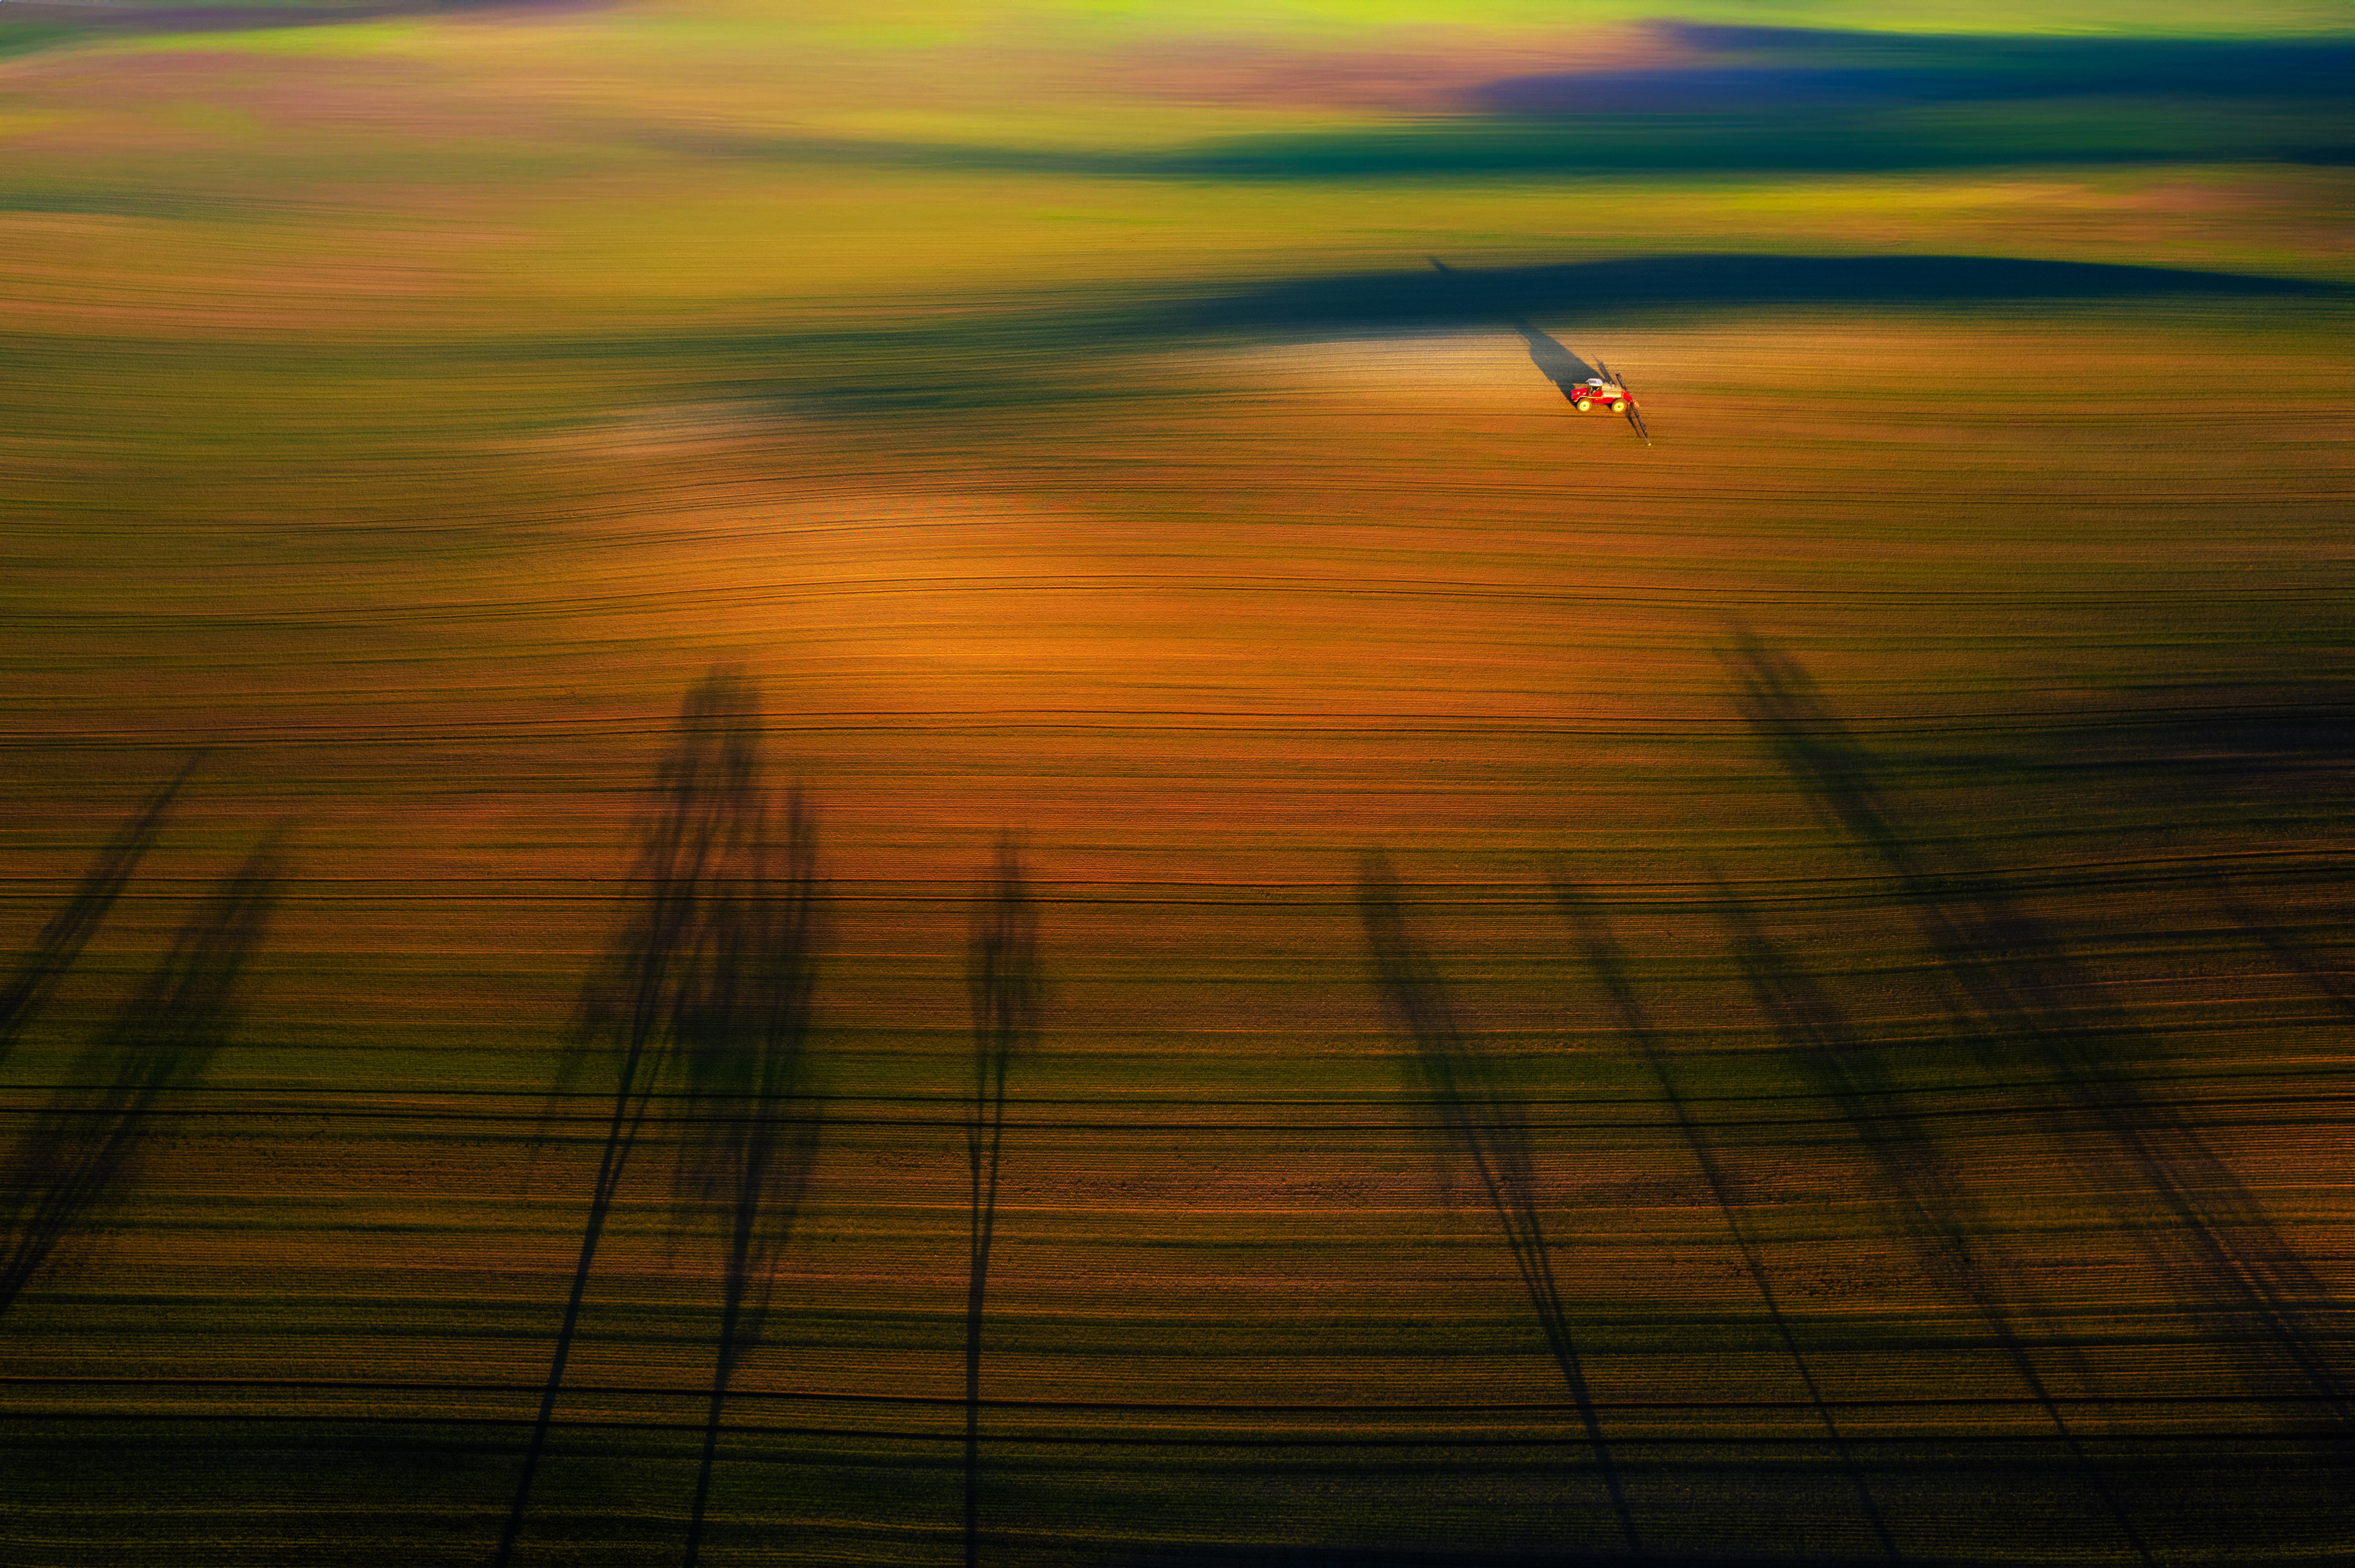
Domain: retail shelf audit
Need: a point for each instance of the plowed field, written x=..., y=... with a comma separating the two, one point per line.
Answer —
x=1782, y=993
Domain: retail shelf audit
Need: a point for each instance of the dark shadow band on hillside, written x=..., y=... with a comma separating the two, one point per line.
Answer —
x=1793, y=140
x=2086, y=62
x=1711, y=281
x=1768, y=127
x=1813, y=69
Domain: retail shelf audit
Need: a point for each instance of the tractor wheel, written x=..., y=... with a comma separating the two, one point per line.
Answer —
x=1618, y=407
x=1581, y=405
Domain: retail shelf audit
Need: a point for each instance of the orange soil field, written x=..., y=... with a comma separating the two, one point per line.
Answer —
x=2057, y=837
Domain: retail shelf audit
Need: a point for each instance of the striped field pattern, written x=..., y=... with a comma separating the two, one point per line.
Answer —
x=823, y=784
x=1930, y=1108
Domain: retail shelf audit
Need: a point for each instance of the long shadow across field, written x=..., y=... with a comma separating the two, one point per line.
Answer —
x=67, y=932
x=1924, y=1189
x=2026, y=1006
x=1553, y=359
x=84, y=1150
x=747, y=1138
x=1484, y=1127
x=1007, y=991
x=1607, y=961
x=705, y=998
x=2292, y=949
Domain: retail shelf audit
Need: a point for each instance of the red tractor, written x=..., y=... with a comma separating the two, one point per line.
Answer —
x=1611, y=392
x=1584, y=394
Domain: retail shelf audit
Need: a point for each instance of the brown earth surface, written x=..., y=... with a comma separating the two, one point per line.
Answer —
x=1201, y=646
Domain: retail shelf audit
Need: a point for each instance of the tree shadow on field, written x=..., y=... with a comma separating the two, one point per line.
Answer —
x=749, y=1136
x=1607, y=961
x=82, y=1151
x=68, y=931
x=2268, y=763
x=2026, y=1006
x=2271, y=760
x=1482, y=1125
x=2289, y=946
x=705, y=999
x=1008, y=993
x=1919, y=1184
